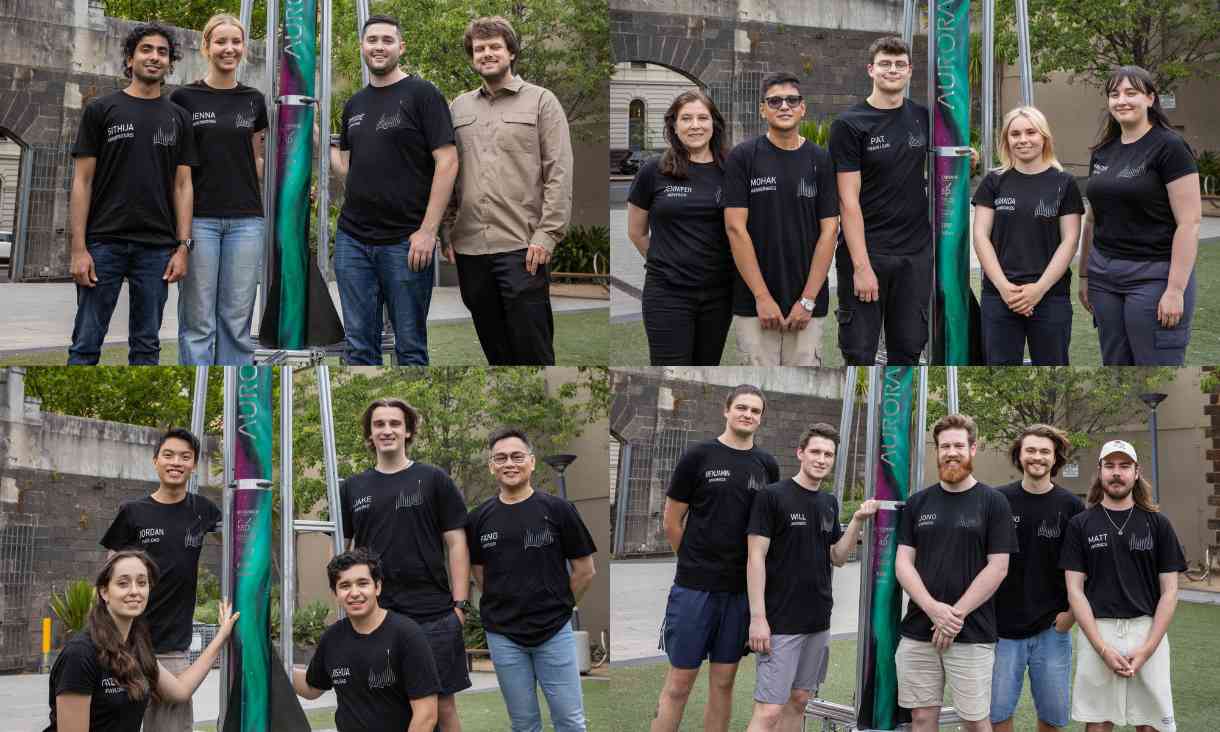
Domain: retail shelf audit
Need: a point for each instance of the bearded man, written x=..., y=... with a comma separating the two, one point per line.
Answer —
x=954, y=539
x=1121, y=559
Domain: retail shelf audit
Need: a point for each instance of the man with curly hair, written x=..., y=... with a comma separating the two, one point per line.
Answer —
x=131, y=201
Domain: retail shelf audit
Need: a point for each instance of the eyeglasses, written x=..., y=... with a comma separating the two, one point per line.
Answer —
x=517, y=458
x=887, y=65
x=777, y=102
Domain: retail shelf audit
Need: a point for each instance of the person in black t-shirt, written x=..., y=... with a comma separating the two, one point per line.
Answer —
x=377, y=661
x=1121, y=559
x=412, y=518
x=1026, y=224
x=675, y=218
x=1141, y=234
x=397, y=156
x=170, y=526
x=1032, y=614
x=954, y=539
x=794, y=538
x=131, y=201
x=521, y=542
x=105, y=675
x=884, y=258
x=706, y=514
x=780, y=212
x=216, y=298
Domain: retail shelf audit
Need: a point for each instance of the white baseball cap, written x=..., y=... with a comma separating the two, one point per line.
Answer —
x=1114, y=446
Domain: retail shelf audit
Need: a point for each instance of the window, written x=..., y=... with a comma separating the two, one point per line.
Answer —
x=637, y=136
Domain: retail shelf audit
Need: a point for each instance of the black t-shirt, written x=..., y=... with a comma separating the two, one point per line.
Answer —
x=391, y=132
x=78, y=670
x=718, y=483
x=952, y=534
x=802, y=525
x=688, y=246
x=1033, y=592
x=139, y=144
x=1131, y=213
x=226, y=179
x=402, y=517
x=172, y=534
x=787, y=193
x=1122, y=571
x=1025, y=229
x=522, y=546
x=375, y=676
x=889, y=147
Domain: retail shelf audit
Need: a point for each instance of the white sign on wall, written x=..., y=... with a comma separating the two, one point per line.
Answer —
x=1071, y=470
x=1169, y=101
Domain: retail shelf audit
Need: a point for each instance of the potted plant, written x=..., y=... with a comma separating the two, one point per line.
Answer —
x=580, y=264
x=72, y=608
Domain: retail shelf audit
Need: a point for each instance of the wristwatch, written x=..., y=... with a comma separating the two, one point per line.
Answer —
x=463, y=605
x=807, y=304
x=188, y=243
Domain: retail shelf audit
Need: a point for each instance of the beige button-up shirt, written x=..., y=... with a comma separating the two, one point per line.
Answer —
x=514, y=185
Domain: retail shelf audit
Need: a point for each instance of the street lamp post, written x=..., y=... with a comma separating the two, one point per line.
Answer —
x=1152, y=400
x=560, y=463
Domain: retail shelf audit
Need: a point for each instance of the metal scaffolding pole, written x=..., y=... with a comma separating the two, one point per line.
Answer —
x=323, y=105
x=330, y=458
x=362, y=14
x=269, y=157
x=951, y=388
x=845, y=423
x=229, y=440
x=621, y=496
x=199, y=401
x=866, y=555
x=921, y=430
x=288, y=579
x=988, y=122
x=1023, y=58
x=908, y=29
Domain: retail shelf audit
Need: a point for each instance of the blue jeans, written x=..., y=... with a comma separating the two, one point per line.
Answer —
x=369, y=276
x=226, y=261
x=553, y=666
x=143, y=267
x=1049, y=658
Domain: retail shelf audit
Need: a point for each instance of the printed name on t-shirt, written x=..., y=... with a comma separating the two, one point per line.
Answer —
x=1006, y=203
x=110, y=685
x=766, y=183
x=678, y=191
x=1142, y=544
x=878, y=142
x=389, y=121
x=340, y=675
x=362, y=504
x=1099, y=541
x=151, y=536
x=203, y=118
x=489, y=539
x=926, y=519
x=535, y=538
x=716, y=476
x=797, y=519
x=120, y=131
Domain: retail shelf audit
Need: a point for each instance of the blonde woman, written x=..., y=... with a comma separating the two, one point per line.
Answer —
x=216, y=298
x=1026, y=225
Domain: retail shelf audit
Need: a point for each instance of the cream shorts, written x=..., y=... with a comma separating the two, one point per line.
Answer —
x=923, y=671
x=759, y=347
x=1100, y=695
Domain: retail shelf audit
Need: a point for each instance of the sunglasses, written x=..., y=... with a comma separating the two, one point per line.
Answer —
x=777, y=102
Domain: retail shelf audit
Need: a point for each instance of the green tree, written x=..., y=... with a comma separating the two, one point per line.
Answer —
x=151, y=397
x=1085, y=402
x=189, y=14
x=460, y=406
x=1174, y=40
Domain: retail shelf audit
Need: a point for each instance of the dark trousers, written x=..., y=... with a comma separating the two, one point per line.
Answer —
x=685, y=326
x=143, y=267
x=904, y=286
x=511, y=308
x=1048, y=330
x=1124, y=294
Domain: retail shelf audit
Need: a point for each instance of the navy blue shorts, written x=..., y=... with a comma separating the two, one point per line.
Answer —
x=699, y=625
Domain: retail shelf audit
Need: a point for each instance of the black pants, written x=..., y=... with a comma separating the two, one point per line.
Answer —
x=1048, y=330
x=904, y=286
x=685, y=326
x=511, y=308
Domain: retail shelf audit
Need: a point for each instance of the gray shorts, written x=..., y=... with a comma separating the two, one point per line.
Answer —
x=167, y=716
x=795, y=662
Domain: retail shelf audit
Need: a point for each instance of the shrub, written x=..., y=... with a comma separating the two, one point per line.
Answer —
x=73, y=606
x=584, y=249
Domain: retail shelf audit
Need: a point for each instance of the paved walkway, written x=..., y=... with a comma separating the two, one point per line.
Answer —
x=23, y=699
x=39, y=315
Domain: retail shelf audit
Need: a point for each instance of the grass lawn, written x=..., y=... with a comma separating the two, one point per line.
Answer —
x=484, y=711
x=1193, y=640
x=630, y=346
x=581, y=339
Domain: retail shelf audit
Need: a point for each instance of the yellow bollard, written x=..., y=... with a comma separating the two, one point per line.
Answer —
x=46, y=644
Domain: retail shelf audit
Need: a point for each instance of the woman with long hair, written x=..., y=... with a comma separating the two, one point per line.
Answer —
x=1026, y=223
x=216, y=298
x=675, y=220
x=1141, y=233
x=105, y=676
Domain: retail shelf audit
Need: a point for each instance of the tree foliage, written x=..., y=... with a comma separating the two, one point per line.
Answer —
x=148, y=396
x=1175, y=40
x=1087, y=403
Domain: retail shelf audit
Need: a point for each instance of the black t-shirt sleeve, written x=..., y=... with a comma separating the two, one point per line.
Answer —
x=577, y=541
x=844, y=147
x=686, y=477
x=451, y=509
x=215, y=517
x=121, y=533
x=836, y=531
x=906, y=525
x=315, y=675
x=642, y=188
x=1175, y=160
x=472, y=538
x=345, y=510
x=985, y=195
x=1169, y=554
x=828, y=188
x=772, y=469
x=187, y=153
x=78, y=672
x=737, y=178
x=89, y=134
x=260, y=122
x=761, y=515
x=1001, y=536
x=1073, y=203
x=344, y=142
x=435, y=118
x=1071, y=555
x=419, y=677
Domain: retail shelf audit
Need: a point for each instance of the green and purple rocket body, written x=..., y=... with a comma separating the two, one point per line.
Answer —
x=879, y=693
x=300, y=312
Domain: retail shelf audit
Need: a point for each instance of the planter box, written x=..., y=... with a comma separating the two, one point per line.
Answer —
x=580, y=284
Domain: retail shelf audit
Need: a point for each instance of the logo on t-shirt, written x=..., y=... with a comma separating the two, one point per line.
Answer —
x=926, y=519
x=340, y=675
x=1141, y=544
x=968, y=522
x=490, y=539
x=385, y=677
x=754, y=484
x=167, y=137
x=827, y=525
x=914, y=140
x=760, y=185
x=409, y=500
x=111, y=685
x=1099, y=168
x=535, y=538
x=193, y=540
x=719, y=194
x=1046, y=531
x=1047, y=210
x=389, y=121
x=203, y=118
x=243, y=120
x=1006, y=203
x=150, y=535
x=797, y=519
x=1099, y=541
x=355, y=120
x=120, y=131
x=1133, y=171
x=805, y=189
x=362, y=504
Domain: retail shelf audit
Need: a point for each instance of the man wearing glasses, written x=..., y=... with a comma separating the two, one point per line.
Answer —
x=780, y=212
x=884, y=258
x=521, y=542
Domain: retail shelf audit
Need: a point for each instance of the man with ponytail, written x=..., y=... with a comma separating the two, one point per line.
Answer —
x=1122, y=559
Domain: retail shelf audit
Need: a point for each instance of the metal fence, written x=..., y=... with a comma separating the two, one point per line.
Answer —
x=39, y=254
x=17, y=534
x=644, y=470
x=737, y=100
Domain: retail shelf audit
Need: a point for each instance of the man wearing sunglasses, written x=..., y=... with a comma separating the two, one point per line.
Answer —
x=884, y=258
x=521, y=541
x=781, y=210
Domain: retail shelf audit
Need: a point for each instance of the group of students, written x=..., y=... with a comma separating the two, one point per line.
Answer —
x=169, y=189
x=996, y=578
x=397, y=658
x=745, y=238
